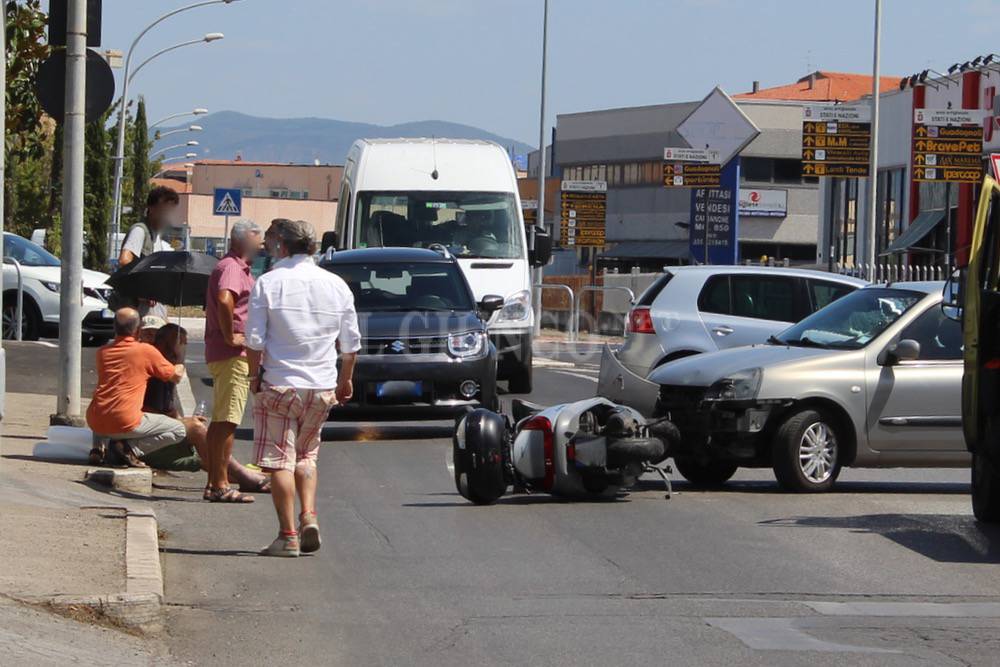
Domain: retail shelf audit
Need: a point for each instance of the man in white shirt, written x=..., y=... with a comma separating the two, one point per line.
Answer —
x=298, y=313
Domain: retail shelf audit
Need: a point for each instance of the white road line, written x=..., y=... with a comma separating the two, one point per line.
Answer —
x=545, y=362
x=577, y=375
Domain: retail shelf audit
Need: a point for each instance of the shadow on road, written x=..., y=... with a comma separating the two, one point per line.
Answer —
x=241, y=553
x=765, y=486
x=945, y=538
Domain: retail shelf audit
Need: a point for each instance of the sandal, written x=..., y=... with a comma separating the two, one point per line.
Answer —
x=207, y=495
x=230, y=496
x=262, y=486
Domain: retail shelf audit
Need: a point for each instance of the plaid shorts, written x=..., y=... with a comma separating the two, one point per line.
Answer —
x=287, y=423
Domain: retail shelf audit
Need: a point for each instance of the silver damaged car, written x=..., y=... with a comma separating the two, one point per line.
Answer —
x=872, y=380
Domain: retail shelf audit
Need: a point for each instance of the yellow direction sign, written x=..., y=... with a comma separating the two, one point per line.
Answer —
x=948, y=153
x=583, y=210
x=837, y=148
x=691, y=175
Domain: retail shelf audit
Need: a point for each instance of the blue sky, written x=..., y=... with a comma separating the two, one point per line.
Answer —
x=477, y=61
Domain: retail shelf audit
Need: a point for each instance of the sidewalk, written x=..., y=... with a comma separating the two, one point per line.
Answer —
x=72, y=548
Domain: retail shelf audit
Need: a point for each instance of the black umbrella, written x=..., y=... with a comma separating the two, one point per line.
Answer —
x=176, y=278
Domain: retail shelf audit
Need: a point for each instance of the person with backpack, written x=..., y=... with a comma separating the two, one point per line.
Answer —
x=143, y=238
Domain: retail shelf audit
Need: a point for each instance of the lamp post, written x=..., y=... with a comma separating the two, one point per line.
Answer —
x=170, y=148
x=189, y=128
x=870, y=255
x=537, y=274
x=120, y=146
x=207, y=39
x=198, y=111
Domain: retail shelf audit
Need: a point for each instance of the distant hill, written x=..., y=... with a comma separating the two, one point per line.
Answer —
x=303, y=140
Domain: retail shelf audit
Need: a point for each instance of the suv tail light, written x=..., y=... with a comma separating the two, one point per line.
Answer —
x=640, y=321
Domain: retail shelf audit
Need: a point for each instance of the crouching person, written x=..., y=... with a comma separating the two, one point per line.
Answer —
x=123, y=370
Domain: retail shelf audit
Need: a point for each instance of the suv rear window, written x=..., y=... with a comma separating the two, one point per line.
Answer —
x=714, y=297
x=649, y=296
x=760, y=297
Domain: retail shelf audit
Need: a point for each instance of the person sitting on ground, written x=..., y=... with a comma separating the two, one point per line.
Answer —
x=189, y=454
x=123, y=369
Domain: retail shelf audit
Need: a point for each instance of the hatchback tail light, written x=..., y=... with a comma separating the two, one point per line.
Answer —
x=640, y=321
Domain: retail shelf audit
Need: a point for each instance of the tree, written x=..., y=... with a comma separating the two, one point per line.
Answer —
x=97, y=191
x=140, y=167
x=28, y=141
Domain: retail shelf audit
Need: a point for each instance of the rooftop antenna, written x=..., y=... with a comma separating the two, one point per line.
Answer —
x=434, y=174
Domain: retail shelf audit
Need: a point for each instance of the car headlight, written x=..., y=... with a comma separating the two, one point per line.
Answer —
x=467, y=344
x=516, y=307
x=740, y=386
x=52, y=287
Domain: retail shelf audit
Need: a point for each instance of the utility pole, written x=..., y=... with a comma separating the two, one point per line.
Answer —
x=71, y=270
x=872, y=216
x=3, y=153
x=536, y=273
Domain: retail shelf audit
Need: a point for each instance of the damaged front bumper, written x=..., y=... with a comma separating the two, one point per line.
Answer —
x=620, y=385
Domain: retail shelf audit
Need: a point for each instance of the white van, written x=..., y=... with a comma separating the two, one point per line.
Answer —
x=459, y=194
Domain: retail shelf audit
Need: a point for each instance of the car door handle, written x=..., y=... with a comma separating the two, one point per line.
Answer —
x=722, y=330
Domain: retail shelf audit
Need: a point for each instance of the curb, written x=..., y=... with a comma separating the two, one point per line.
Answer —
x=140, y=606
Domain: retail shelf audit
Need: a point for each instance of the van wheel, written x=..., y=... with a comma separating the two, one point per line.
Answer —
x=708, y=474
x=519, y=381
x=985, y=490
x=806, y=453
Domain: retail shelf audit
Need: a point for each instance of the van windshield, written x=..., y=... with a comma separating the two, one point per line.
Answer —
x=482, y=225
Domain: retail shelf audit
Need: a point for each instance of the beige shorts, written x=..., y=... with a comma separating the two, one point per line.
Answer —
x=231, y=382
x=287, y=424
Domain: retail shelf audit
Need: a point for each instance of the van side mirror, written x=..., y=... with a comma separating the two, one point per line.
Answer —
x=327, y=241
x=490, y=304
x=951, y=297
x=542, y=253
x=905, y=350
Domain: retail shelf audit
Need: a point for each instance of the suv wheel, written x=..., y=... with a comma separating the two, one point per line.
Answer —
x=806, y=453
x=708, y=473
x=520, y=373
x=31, y=319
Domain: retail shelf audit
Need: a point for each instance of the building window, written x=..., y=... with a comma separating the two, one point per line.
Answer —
x=756, y=169
x=787, y=171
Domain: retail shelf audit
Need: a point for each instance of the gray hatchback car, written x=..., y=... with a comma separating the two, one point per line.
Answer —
x=691, y=310
x=872, y=380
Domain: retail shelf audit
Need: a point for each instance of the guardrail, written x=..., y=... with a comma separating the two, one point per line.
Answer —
x=19, y=312
x=570, y=333
x=574, y=321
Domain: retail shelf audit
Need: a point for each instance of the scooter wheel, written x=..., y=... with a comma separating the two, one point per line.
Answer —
x=478, y=449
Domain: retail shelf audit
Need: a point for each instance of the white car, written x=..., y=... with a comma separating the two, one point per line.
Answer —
x=40, y=275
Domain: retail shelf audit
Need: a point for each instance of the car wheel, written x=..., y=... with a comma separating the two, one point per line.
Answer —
x=806, y=454
x=985, y=490
x=31, y=319
x=708, y=474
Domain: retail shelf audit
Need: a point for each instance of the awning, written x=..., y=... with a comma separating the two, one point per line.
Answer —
x=923, y=225
x=648, y=250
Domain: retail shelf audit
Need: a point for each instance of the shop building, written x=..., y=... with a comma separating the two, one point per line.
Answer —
x=922, y=224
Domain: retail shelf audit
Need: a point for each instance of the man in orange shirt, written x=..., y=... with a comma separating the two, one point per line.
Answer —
x=123, y=368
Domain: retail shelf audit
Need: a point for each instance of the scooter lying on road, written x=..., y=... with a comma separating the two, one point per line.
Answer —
x=589, y=449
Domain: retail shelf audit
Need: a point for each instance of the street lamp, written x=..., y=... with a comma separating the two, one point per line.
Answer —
x=120, y=147
x=189, y=128
x=170, y=148
x=207, y=39
x=198, y=111
x=171, y=167
x=175, y=158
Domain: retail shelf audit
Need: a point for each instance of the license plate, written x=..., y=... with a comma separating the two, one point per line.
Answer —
x=399, y=389
x=107, y=313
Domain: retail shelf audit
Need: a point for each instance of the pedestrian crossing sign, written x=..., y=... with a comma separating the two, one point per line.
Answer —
x=227, y=201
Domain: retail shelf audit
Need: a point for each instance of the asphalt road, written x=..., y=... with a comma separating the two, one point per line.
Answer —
x=888, y=569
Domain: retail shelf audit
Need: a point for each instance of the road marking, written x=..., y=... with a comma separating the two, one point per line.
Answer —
x=909, y=609
x=578, y=375
x=545, y=362
x=783, y=634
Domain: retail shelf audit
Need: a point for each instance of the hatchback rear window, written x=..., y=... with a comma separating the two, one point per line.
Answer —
x=649, y=296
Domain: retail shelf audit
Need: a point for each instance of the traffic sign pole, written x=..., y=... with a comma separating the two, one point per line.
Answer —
x=873, y=168
x=225, y=238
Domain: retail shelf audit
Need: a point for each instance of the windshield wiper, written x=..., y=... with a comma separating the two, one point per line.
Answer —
x=774, y=340
x=805, y=341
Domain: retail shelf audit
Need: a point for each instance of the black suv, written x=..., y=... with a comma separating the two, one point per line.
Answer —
x=424, y=341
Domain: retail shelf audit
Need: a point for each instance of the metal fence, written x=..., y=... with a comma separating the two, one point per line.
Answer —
x=884, y=273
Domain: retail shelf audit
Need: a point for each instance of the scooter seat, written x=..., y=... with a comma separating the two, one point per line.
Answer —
x=519, y=409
